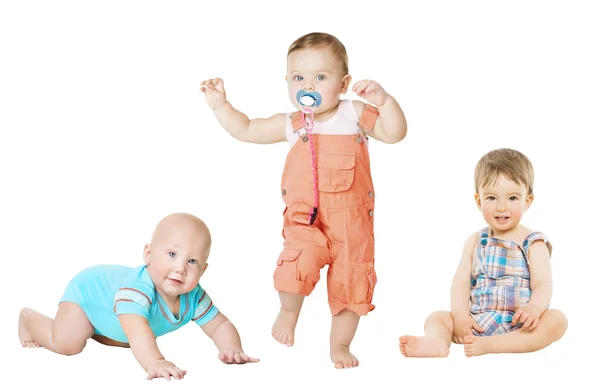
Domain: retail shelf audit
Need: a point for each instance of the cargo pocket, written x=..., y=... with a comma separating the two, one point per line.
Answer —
x=287, y=264
x=335, y=170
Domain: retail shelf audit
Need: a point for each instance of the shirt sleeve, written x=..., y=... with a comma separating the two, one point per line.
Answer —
x=134, y=297
x=531, y=238
x=205, y=310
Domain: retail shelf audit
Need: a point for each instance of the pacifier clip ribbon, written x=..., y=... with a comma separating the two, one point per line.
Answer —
x=308, y=117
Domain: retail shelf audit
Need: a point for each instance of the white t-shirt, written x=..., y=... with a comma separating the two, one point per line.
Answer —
x=344, y=122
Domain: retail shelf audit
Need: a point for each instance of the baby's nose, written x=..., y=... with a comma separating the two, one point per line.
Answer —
x=309, y=87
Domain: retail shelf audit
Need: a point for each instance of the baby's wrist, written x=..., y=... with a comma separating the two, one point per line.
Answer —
x=387, y=99
x=233, y=348
x=151, y=362
x=535, y=307
x=220, y=106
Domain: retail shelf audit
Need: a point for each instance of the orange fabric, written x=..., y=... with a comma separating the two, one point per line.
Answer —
x=342, y=236
x=297, y=121
x=368, y=117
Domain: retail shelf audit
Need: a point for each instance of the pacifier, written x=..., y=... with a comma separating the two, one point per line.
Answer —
x=308, y=98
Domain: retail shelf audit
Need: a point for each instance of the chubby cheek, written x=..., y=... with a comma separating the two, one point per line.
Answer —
x=158, y=271
x=191, y=280
x=292, y=91
x=489, y=212
x=330, y=96
x=516, y=213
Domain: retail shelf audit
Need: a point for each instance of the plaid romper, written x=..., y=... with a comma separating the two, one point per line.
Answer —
x=500, y=281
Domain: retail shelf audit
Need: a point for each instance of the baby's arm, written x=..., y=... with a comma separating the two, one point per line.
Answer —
x=390, y=126
x=226, y=338
x=540, y=275
x=260, y=130
x=461, y=293
x=541, y=286
x=461, y=283
x=144, y=348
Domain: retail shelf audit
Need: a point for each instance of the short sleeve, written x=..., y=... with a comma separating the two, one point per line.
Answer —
x=531, y=238
x=205, y=310
x=134, y=297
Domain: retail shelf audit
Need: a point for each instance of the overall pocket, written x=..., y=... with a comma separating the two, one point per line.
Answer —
x=335, y=170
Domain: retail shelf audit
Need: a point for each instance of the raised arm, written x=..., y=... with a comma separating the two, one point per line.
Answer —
x=391, y=125
x=237, y=124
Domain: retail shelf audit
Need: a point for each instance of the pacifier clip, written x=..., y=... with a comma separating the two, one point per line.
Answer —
x=307, y=103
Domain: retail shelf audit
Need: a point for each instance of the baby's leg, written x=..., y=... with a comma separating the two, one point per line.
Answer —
x=343, y=328
x=67, y=334
x=437, y=339
x=297, y=273
x=285, y=324
x=551, y=328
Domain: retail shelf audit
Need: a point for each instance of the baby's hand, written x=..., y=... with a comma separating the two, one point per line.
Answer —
x=463, y=326
x=528, y=315
x=214, y=91
x=164, y=369
x=371, y=91
x=235, y=355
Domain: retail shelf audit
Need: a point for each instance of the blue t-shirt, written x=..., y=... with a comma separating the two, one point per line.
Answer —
x=107, y=291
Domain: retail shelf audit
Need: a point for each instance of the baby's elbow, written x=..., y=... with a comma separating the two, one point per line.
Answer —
x=397, y=136
x=400, y=137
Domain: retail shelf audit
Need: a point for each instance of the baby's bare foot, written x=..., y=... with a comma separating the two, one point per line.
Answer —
x=25, y=336
x=284, y=327
x=475, y=345
x=419, y=346
x=342, y=357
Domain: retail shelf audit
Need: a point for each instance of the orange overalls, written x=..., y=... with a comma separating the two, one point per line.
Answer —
x=342, y=235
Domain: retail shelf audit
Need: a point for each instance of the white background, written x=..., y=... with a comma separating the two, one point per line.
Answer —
x=104, y=132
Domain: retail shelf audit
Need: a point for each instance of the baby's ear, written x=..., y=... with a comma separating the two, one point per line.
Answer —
x=346, y=83
x=528, y=201
x=147, y=251
x=477, y=200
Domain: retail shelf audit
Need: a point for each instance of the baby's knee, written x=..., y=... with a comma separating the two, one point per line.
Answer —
x=560, y=324
x=68, y=346
x=440, y=316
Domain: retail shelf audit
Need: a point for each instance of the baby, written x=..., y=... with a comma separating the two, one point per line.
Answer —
x=131, y=307
x=503, y=284
x=326, y=183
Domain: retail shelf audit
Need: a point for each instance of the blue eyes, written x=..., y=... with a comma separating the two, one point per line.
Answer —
x=191, y=261
x=299, y=78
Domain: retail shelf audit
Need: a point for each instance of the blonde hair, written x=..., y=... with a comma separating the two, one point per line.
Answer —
x=504, y=161
x=322, y=40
